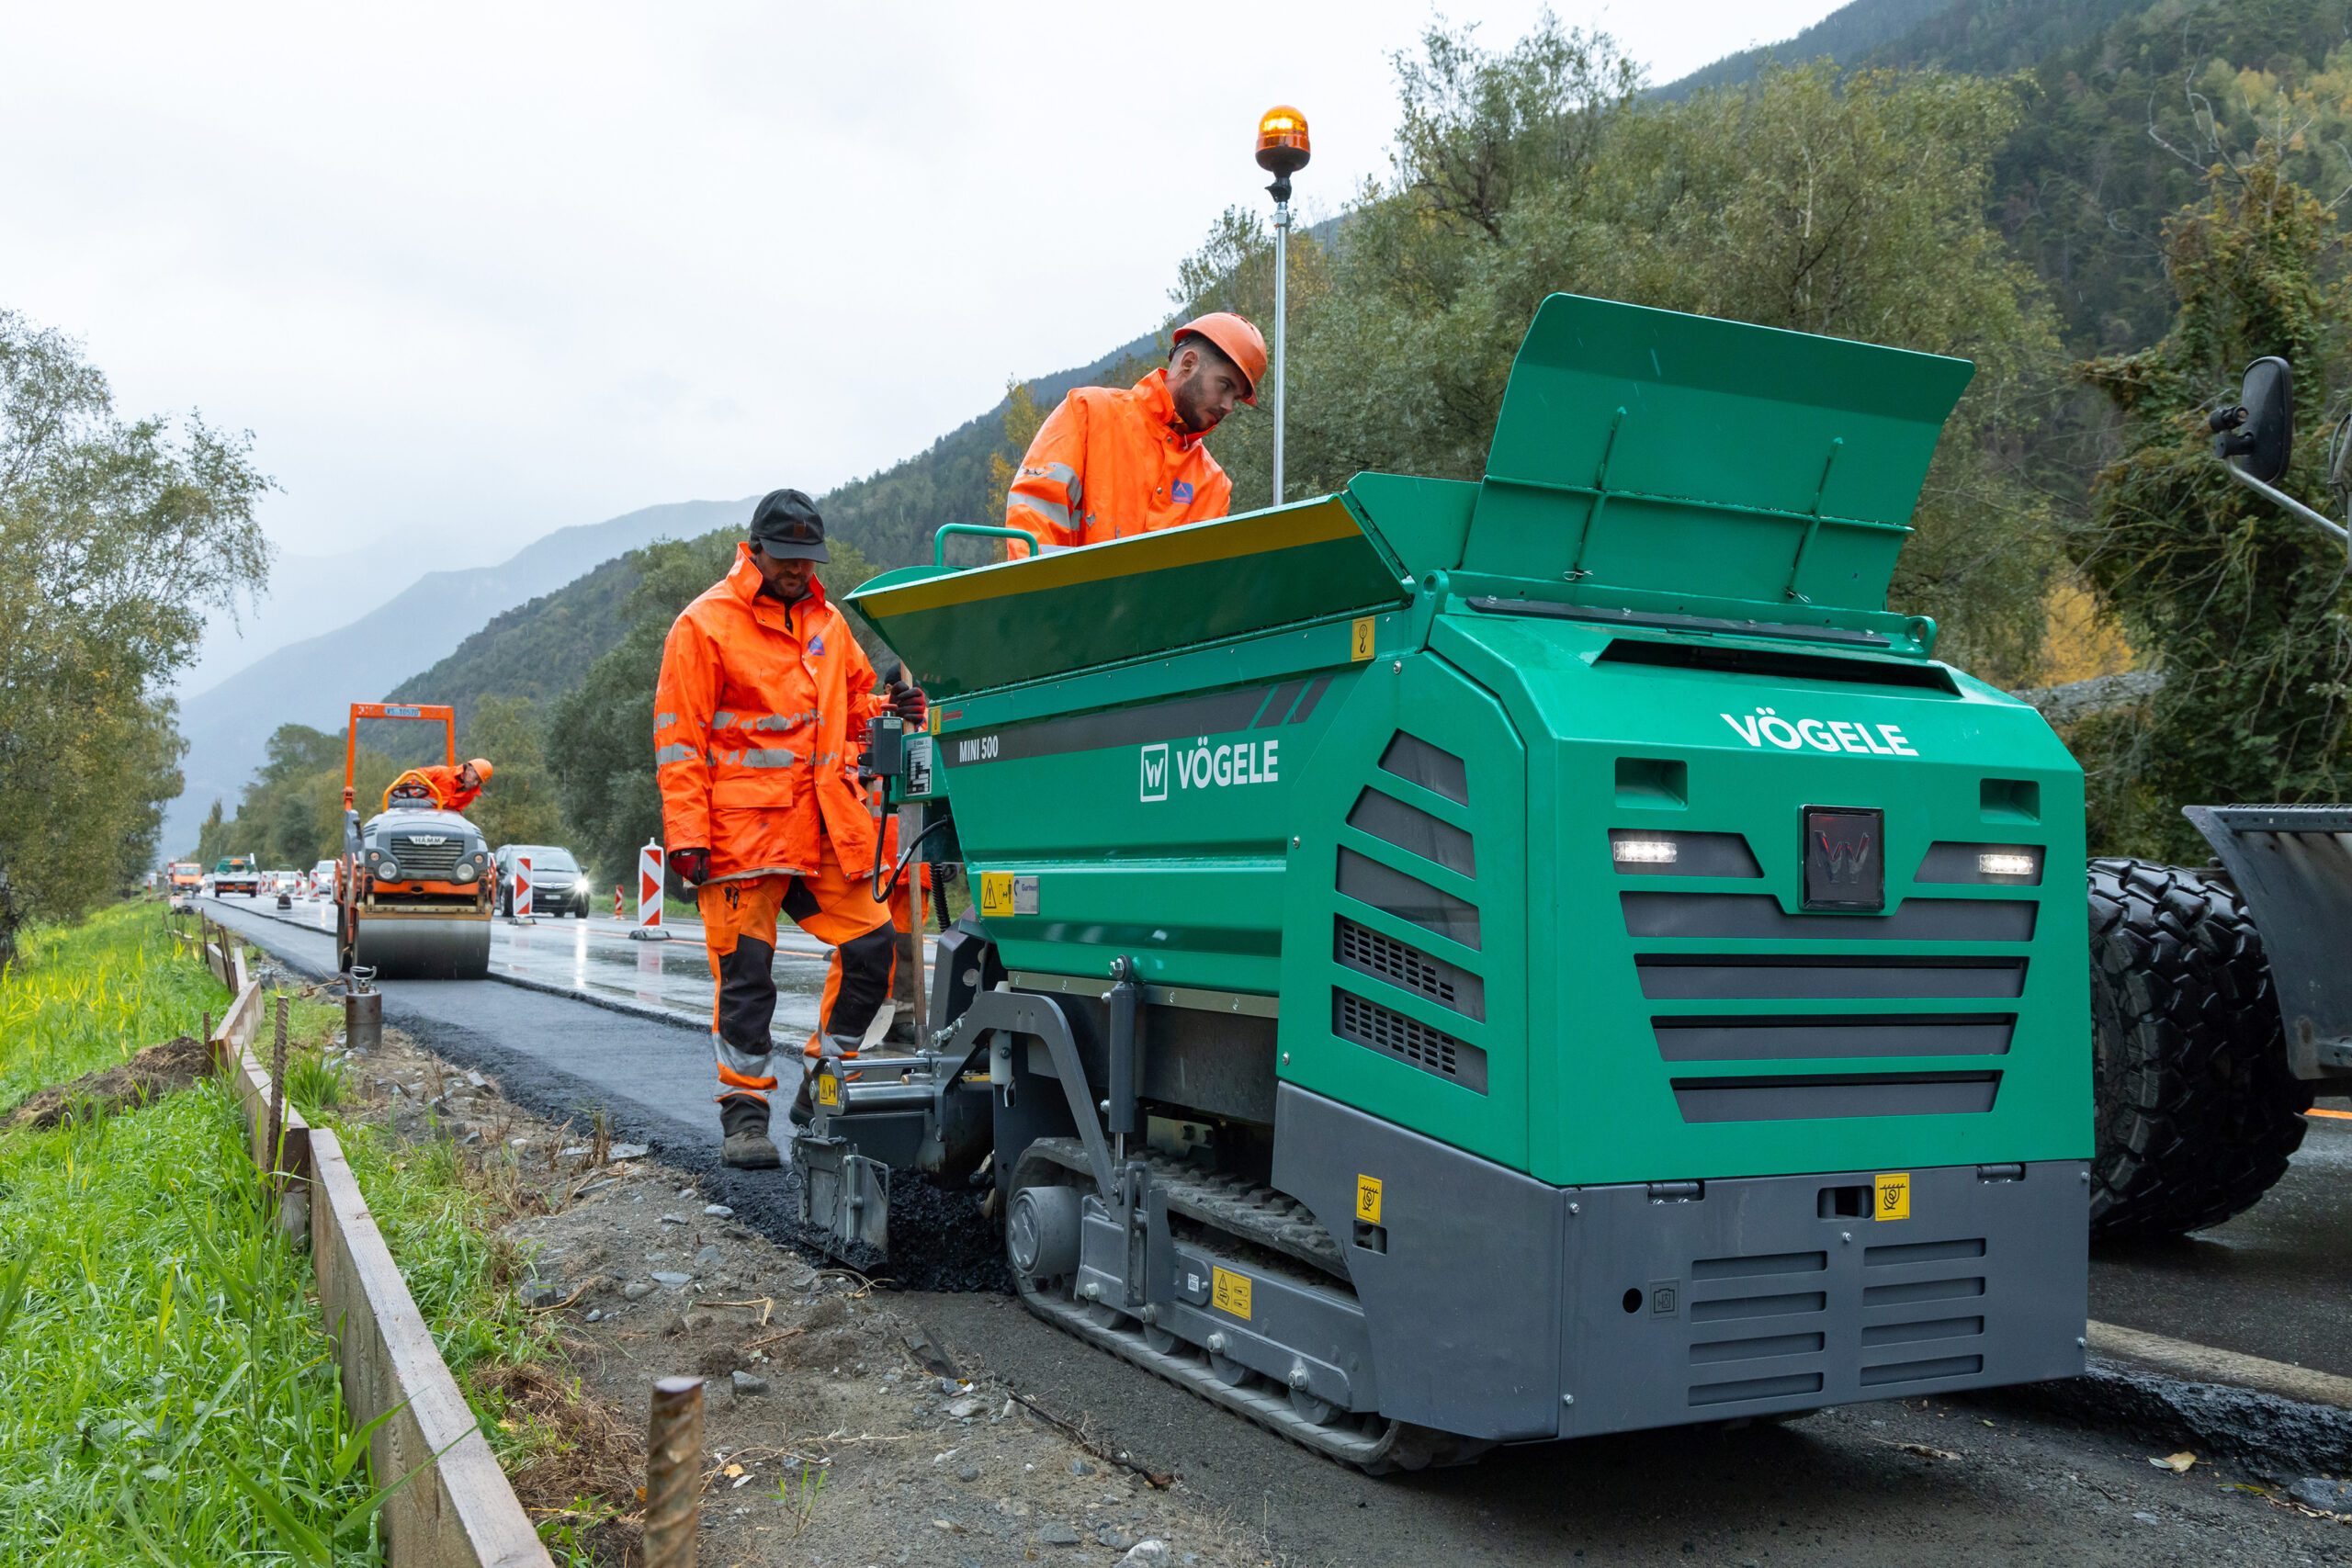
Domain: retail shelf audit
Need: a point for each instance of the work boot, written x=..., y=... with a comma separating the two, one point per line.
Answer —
x=744, y=1121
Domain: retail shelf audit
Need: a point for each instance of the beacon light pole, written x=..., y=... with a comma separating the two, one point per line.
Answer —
x=1281, y=153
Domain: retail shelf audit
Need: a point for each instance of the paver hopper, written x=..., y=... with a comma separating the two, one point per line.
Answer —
x=415, y=887
x=1465, y=962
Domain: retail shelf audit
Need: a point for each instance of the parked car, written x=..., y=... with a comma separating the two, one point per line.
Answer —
x=558, y=885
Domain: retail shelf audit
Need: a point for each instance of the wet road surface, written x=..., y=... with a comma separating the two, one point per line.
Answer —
x=2276, y=1282
x=1995, y=1482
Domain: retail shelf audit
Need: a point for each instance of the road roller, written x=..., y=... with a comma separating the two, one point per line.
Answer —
x=415, y=887
x=1457, y=963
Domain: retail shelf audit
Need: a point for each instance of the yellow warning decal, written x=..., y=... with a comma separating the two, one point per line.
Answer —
x=1359, y=640
x=1230, y=1291
x=1368, y=1200
x=829, y=1090
x=996, y=894
x=1893, y=1195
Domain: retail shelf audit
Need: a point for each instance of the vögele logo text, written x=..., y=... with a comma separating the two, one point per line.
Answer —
x=1204, y=766
x=1766, y=728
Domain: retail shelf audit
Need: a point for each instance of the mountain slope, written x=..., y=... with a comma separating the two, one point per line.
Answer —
x=892, y=515
x=1846, y=35
x=542, y=648
x=314, y=681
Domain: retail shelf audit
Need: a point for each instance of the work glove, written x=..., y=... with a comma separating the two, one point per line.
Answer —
x=908, y=700
x=690, y=866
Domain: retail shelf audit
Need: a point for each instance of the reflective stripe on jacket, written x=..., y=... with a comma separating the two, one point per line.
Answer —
x=1109, y=465
x=758, y=719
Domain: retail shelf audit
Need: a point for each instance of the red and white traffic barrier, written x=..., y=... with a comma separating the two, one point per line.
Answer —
x=522, y=910
x=649, y=927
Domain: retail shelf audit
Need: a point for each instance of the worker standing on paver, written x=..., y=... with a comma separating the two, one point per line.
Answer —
x=451, y=789
x=758, y=720
x=1110, y=464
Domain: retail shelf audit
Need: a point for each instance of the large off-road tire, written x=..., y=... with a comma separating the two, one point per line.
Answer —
x=2197, y=1111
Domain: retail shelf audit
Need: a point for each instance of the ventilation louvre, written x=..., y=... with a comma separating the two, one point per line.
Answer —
x=426, y=862
x=1384, y=888
x=1679, y=977
x=1822, y=1096
x=1414, y=830
x=1923, y=1371
x=1416, y=760
x=1408, y=1040
x=1756, y=1388
x=1368, y=952
x=1737, y=916
x=1789, y=1037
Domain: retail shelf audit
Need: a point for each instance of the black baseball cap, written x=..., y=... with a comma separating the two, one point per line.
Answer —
x=786, y=526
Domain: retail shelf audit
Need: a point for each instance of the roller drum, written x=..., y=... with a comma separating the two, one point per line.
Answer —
x=399, y=949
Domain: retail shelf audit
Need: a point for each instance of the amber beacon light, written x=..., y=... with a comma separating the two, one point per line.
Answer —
x=1283, y=149
x=1281, y=153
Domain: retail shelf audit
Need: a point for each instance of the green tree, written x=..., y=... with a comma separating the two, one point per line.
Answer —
x=114, y=539
x=1853, y=208
x=2242, y=606
x=519, y=805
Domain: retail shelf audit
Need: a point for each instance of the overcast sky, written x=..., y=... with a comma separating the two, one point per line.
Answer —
x=486, y=270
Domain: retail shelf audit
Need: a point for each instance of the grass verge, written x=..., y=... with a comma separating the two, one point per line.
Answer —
x=171, y=1395
x=169, y=1387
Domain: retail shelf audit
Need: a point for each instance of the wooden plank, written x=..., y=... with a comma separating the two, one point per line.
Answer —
x=461, y=1513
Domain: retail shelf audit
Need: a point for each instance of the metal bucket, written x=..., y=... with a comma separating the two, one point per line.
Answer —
x=363, y=1014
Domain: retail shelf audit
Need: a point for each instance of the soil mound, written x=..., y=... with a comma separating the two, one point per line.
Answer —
x=157, y=1070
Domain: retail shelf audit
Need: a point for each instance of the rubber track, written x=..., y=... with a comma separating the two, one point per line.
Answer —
x=1242, y=1208
x=2197, y=1111
x=1268, y=1218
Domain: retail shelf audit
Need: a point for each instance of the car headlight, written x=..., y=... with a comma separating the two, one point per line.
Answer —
x=465, y=871
x=388, y=869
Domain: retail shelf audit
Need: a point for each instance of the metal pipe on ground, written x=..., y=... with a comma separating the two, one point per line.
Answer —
x=674, y=1473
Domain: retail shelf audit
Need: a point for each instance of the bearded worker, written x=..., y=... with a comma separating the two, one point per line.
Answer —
x=1110, y=464
x=758, y=719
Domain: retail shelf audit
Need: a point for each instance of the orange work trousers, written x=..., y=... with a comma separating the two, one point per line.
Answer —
x=738, y=929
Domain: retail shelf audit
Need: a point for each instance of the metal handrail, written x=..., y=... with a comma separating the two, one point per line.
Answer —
x=939, y=540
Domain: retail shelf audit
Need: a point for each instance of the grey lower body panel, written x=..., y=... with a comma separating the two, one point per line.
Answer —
x=1499, y=1306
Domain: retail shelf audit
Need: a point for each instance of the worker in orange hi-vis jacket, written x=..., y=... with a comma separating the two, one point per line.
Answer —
x=759, y=717
x=451, y=789
x=1110, y=464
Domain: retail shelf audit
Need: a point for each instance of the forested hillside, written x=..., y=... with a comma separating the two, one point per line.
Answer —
x=535, y=651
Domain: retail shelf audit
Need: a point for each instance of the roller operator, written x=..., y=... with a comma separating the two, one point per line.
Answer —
x=451, y=789
x=1110, y=464
x=758, y=717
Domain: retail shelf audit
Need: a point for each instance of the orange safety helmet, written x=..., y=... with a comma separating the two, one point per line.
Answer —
x=1236, y=340
x=480, y=766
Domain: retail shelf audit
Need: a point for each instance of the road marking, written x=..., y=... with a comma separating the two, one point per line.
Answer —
x=2339, y=1115
x=2203, y=1363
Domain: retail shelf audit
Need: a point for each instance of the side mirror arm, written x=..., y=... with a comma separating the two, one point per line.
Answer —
x=2334, y=530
